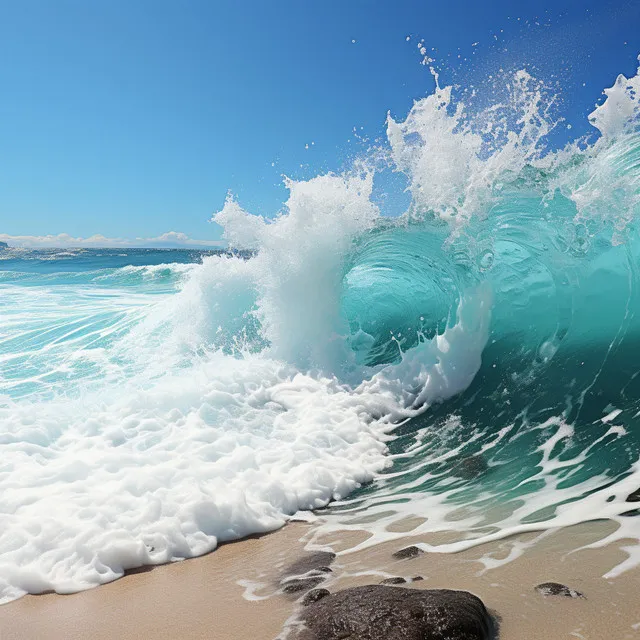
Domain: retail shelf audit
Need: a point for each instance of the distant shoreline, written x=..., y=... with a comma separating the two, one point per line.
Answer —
x=214, y=251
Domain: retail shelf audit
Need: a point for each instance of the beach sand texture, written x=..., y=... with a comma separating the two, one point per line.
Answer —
x=233, y=593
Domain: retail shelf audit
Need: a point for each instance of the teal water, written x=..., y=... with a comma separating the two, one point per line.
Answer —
x=549, y=430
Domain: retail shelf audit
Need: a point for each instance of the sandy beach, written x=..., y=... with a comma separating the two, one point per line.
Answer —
x=233, y=593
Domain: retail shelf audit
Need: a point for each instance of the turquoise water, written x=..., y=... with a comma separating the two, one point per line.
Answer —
x=57, y=303
x=553, y=415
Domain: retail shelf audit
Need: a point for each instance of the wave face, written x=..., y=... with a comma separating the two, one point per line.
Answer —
x=470, y=364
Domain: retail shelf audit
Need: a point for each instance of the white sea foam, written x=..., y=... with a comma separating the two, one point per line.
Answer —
x=554, y=505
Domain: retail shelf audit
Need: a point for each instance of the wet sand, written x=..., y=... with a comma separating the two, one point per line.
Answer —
x=205, y=597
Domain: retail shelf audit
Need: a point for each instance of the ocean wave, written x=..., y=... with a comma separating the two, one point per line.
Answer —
x=469, y=364
x=129, y=275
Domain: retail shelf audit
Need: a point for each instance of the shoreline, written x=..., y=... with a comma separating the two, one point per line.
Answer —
x=234, y=592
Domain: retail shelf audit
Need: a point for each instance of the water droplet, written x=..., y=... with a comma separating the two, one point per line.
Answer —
x=547, y=350
x=486, y=260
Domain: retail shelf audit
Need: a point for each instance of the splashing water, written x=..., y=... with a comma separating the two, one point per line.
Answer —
x=470, y=363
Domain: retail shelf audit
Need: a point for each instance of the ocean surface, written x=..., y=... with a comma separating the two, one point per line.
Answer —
x=471, y=363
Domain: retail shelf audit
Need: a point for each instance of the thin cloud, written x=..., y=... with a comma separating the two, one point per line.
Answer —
x=171, y=239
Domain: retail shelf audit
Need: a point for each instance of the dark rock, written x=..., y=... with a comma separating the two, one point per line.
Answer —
x=377, y=612
x=408, y=552
x=396, y=580
x=417, y=579
x=317, y=561
x=296, y=585
x=470, y=467
x=307, y=572
x=557, y=589
x=314, y=595
x=634, y=496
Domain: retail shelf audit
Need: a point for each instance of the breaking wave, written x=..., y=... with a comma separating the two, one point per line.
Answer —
x=470, y=362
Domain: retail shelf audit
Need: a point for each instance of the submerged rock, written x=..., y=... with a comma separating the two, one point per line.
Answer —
x=634, y=496
x=408, y=552
x=377, y=612
x=317, y=561
x=557, y=589
x=470, y=467
x=314, y=595
x=296, y=585
x=395, y=580
x=307, y=572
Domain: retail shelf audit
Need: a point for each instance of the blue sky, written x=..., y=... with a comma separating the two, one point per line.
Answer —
x=133, y=119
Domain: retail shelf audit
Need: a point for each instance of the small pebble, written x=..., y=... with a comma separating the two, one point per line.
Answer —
x=634, y=496
x=557, y=589
x=408, y=552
